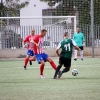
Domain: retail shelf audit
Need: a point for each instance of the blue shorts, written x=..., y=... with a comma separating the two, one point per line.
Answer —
x=30, y=53
x=40, y=57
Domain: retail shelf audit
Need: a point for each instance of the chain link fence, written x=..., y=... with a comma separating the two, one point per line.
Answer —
x=14, y=29
x=12, y=36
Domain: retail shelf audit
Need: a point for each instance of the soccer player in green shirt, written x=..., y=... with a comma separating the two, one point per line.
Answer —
x=65, y=56
x=78, y=37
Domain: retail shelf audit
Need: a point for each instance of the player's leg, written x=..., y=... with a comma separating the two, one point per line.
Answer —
x=57, y=71
x=42, y=68
x=66, y=69
x=46, y=58
x=30, y=62
x=26, y=61
x=52, y=63
x=58, y=68
x=32, y=58
x=42, y=64
x=67, y=65
x=75, y=55
x=29, y=53
x=81, y=52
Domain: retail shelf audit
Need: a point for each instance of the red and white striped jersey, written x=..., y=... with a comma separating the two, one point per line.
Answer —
x=39, y=40
x=31, y=45
x=28, y=39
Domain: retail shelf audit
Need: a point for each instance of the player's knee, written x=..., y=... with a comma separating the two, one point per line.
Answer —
x=27, y=56
x=59, y=65
x=34, y=59
x=42, y=62
x=49, y=60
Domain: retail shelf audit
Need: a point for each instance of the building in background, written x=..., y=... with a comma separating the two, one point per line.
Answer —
x=34, y=9
x=13, y=27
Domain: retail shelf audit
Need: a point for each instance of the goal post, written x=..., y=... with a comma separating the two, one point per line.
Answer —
x=11, y=27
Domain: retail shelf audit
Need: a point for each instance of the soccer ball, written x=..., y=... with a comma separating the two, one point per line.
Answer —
x=74, y=72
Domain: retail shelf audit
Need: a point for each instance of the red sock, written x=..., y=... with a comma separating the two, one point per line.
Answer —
x=26, y=61
x=41, y=69
x=53, y=65
x=32, y=59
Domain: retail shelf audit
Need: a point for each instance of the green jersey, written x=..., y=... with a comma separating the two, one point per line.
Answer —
x=78, y=38
x=67, y=46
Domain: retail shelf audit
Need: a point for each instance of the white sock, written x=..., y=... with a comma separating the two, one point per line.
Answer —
x=81, y=53
x=75, y=53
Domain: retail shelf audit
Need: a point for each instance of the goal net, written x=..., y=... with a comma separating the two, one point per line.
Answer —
x=14, y=29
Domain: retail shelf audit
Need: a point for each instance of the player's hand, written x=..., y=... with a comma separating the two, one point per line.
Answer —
x=83, y=43
x=37, y=45
x=25, y=46
x=79, y=49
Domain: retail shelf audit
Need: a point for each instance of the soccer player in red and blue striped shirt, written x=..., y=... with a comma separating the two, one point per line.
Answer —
x=30, y=52
x=39, y=53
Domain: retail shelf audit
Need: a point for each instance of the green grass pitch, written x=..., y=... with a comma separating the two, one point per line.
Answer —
x=19, y=84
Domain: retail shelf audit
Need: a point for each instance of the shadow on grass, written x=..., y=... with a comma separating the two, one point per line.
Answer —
x=75, y=78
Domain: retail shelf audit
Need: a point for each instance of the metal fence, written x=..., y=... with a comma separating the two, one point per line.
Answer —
x=86, y=29
x=12, y=36
x=14, y=29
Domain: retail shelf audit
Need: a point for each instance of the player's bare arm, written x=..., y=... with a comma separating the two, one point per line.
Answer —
x=57, y=52
x=76, y=47
x=23, y=44
x=35, y=43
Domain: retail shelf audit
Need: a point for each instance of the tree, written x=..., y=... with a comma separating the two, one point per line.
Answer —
x=64, y=7
x=69, y=7
x=11, y=6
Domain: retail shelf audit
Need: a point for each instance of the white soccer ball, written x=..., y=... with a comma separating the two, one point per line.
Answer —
x=74, y=72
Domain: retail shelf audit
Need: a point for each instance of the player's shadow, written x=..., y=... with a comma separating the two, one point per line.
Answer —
x=83, y=78
x=75, y=78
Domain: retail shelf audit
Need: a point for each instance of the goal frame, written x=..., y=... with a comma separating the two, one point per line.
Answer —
x=44, y=17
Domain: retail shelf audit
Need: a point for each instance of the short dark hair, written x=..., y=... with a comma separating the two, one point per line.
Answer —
x=43, y=30
x=65, y=34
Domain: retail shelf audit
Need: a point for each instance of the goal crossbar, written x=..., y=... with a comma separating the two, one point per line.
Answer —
x=37, y=17
x=64, y=18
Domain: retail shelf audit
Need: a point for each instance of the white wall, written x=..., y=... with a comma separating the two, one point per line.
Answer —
x=33, y=9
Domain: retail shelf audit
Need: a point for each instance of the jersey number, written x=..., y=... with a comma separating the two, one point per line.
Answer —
x=67, y=47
